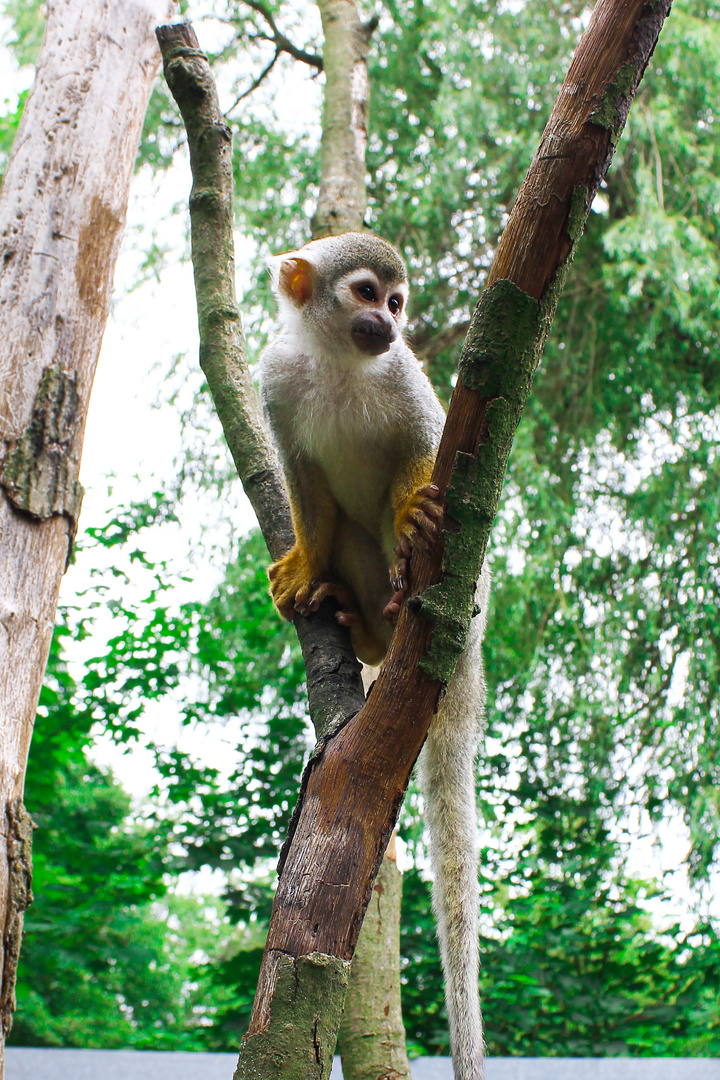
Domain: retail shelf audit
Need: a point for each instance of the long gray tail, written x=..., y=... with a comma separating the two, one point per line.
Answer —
x=447, y=776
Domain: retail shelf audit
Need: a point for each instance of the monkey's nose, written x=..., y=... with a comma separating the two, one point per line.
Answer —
x=373, y=334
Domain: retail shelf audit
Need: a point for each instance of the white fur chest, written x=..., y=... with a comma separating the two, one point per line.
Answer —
x=356, y=417
x=344, y=421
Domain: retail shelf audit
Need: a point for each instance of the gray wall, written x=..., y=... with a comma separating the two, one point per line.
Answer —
x=21, y=1064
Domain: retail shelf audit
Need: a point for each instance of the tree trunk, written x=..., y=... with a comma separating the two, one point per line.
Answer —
x=62, y=215
x=371, y=1039
x=343, y=197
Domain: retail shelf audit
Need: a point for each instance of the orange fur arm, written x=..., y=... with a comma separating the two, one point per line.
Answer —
x=407, y=498
x=314, y=514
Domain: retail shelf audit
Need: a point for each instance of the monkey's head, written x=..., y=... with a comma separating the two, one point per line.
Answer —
x=347, y=292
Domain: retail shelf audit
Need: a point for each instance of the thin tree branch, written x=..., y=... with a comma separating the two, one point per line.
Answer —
x=255, y=83
x=428, y=346
x=334, y=686
x=282, y=42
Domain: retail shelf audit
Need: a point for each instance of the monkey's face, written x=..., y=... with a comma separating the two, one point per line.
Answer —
x=373, y=310
x=344, y=294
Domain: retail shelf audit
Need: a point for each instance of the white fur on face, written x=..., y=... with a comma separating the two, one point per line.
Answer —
x=348, y=297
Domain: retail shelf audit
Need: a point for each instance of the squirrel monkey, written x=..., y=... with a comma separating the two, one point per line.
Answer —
x=357, y=425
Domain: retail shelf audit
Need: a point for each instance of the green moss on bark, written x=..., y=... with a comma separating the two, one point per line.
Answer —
x=498, y=361
x=40, y=472
x=299, y=1041
x=499, y=358
x=608, y=114
x=579, y=210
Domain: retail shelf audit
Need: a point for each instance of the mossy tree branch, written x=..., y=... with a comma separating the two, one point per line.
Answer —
x=281, y=41
x=334, y=685
x=354, y=787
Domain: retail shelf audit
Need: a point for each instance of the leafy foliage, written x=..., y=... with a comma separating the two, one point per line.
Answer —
x=110, y=957
x=571, y=968
x=602, y=654
x=27, y=19
x=94, y=968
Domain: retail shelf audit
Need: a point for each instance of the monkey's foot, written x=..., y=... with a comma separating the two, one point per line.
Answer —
x=290, y=576
x=310, y=597
x=418, y=524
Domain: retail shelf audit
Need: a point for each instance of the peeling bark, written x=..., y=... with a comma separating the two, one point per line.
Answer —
x=40, y=473
x=62, y=215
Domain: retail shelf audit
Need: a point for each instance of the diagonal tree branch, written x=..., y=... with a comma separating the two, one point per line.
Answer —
x=334, y=684
x=354, y=788
x=257, y=81
x=282, y=42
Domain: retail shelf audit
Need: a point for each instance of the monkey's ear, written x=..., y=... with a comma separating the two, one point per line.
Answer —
x=296, y=280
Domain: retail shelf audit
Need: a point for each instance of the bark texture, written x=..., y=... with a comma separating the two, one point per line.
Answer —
x=62, y=215
x=343, y=197
x=371, y=1039
x=301, y=1038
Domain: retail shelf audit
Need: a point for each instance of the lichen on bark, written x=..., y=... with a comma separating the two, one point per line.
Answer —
x=39, y=475
x=499, y=358
x=610, y=113
x=298, y=1041
x=579, y=210
x=498, y=361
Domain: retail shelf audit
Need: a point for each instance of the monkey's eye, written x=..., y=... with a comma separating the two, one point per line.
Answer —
x=366, y=292
x=394, y=304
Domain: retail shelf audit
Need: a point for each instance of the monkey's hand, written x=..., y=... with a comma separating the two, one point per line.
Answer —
x=289, y=576
x=310, y=598
x=297, y=586
x=418, y=524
